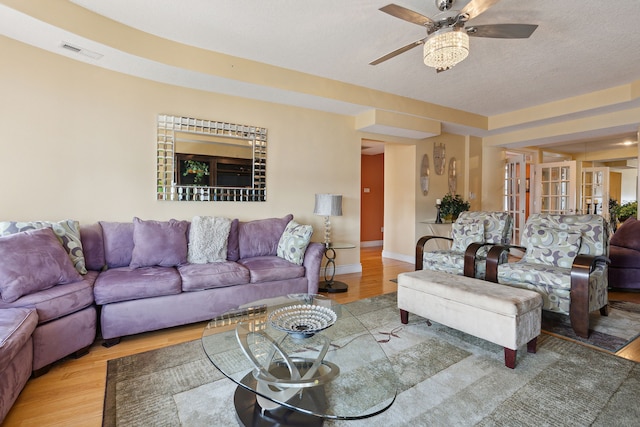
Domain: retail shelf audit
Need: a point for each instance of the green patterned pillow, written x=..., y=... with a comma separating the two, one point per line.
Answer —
x=294, y=241
x=67, y=232
x=552, y=246
x=466, y=233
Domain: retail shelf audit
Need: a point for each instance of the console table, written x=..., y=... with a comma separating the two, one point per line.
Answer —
x=432, y=229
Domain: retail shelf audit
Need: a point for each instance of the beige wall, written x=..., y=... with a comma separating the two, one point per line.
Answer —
x=78, y=141
x=399, y=200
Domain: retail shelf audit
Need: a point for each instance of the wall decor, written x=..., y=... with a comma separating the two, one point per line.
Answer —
x=439, y=158
x=207, y=160
x=424, y=175
x=453, y=180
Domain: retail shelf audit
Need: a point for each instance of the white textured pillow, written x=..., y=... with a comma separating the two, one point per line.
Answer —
x=208, y=239
x=294, y=241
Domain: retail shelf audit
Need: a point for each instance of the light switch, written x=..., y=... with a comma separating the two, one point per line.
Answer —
x=367, y=190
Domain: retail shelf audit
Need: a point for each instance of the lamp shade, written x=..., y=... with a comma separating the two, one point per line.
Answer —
x=328, y=205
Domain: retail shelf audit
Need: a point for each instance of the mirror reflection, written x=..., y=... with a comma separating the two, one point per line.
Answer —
x=207, y=160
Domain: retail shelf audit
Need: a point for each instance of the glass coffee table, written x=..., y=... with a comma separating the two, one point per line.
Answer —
x=298, y=360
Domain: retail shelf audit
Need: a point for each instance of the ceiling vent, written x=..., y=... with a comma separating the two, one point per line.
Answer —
x=81, y=51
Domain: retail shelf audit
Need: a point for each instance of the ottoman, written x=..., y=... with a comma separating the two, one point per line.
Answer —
x=503, y=315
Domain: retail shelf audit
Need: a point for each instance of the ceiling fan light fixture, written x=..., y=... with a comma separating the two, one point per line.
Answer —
x=446, y=47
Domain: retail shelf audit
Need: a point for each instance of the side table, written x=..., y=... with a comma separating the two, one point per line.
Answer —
x=329, y=285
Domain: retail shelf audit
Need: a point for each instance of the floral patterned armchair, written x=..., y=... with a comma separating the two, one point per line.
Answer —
x=472, y=234
x=565, y=260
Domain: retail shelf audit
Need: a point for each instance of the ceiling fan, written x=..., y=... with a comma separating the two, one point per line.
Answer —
x=447, y=41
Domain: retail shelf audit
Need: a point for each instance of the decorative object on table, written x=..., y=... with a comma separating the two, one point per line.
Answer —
x=453, y=205
x=453, y=180
x=438, y=216
x=424, y=175
x=328, y=205
x=302, y=320
x=627, y=210
x=439, y=158
x=588, y=203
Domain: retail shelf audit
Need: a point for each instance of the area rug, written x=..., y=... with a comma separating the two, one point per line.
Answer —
x=446, y=378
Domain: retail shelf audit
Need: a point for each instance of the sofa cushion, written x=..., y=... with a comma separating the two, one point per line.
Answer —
x=552, y=246
x=67, y=232
x=125, y=283
x=271, y=268
x=162, y=243
x=32, y=261
x=627, y=235
x=622, y=257
x=197, y=277
x=233, y=245
x=118, y=243
x=261, y=237
x=294, y=241
x=93, y=246
x=16, y=327
x=59, y=301
x=208, y=238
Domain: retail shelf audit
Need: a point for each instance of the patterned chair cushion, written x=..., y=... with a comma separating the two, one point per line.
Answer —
x=552, y=246
x=465, y=233
x=444, y=260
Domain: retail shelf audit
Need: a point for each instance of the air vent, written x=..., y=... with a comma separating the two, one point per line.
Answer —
x=81, y=51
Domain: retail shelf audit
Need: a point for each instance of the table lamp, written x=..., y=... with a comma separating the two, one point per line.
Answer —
x=328, y=205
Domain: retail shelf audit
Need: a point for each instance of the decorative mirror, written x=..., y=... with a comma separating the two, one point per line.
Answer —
x=206, y=160
x=424, y=175
x=453, y=180
x=438, y=158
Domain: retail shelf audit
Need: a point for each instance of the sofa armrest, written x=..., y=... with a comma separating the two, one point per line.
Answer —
x=420, y=248
x=312, y=261
x=581, y=269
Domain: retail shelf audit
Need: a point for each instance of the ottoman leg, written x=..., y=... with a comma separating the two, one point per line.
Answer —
x=531, y=345
x=404, y=316
x=510, y=358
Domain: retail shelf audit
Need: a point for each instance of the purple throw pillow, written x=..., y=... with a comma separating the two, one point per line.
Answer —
x=261, y=237
x=162, y=243
x=33, y=261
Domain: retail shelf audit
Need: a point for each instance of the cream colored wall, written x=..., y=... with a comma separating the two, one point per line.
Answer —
x=399, y=201
x=493, y=159
x=79, y=142
x=455, y=146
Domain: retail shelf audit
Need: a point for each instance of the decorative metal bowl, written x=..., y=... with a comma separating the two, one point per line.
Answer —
x=302, y=321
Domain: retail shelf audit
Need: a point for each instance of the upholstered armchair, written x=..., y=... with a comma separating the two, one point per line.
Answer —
x=565, y=260
x=472, y=234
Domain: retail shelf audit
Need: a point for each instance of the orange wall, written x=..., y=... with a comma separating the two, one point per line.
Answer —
x=372, y=203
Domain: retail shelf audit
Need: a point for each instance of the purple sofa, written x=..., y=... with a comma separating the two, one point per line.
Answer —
x=145, y=283
x=137, y=276
x=624, y=253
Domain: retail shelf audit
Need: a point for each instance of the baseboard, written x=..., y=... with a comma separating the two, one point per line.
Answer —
x=344, y=269
x=400, y=257
x=371, y=243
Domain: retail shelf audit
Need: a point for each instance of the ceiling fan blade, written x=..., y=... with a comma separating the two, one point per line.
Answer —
x=502, y=31
x=397, y=52
x=407, y=15
x=476, y=7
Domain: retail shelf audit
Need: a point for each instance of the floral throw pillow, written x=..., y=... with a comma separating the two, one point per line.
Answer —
x=553, y=246
x=294, y=241
x=466, y=233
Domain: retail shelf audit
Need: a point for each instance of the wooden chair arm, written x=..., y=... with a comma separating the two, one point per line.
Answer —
x=583, y=266
x=493, y=260
x=420, y=248
x=470, y=258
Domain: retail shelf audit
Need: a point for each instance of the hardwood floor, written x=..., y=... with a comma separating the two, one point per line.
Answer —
x=72, y=393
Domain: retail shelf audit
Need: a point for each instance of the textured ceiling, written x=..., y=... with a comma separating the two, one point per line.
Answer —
x=580, y=45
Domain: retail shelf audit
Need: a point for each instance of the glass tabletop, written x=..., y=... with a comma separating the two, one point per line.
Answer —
x=303, y=352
